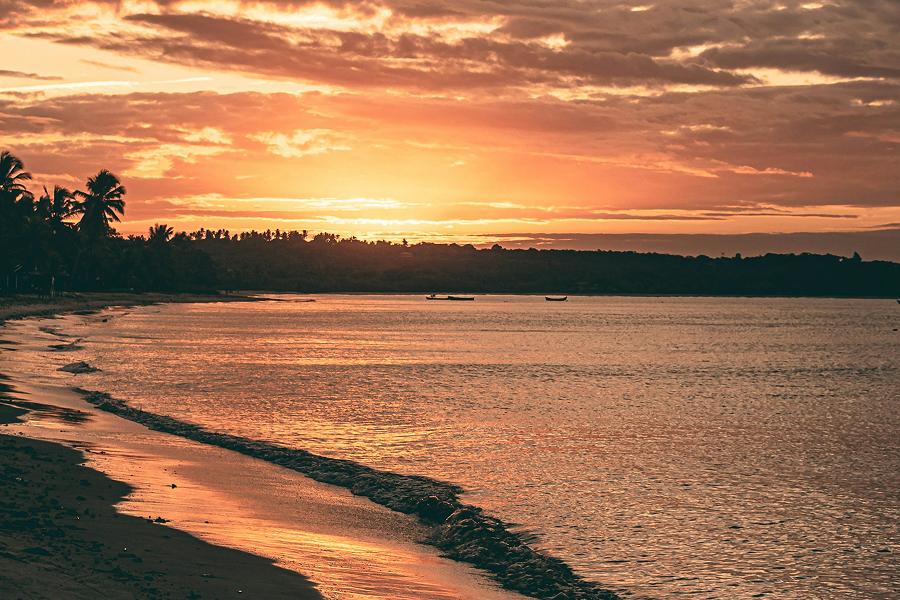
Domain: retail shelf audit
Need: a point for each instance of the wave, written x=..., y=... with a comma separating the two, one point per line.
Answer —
x=461, y=531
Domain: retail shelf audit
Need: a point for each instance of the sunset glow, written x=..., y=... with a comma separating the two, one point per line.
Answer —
x=464, y=121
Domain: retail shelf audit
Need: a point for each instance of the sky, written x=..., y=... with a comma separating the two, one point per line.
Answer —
x=553, y=123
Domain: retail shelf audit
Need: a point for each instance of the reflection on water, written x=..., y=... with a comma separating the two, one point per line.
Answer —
x=350, y=548
x=715, y=447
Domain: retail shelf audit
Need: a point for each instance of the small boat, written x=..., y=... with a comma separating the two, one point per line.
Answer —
x=436, y=297
x=305, y=300
x=556, y=298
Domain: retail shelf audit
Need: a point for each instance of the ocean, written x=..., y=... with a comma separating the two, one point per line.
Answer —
x=711, y=447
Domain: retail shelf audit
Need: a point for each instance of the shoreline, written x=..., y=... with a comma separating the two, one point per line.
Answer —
x=25, y=306
x=353, y=484
x=349, y=547
x=61, y=536
x=570, y=294
x=60, y=532
x=461, y=531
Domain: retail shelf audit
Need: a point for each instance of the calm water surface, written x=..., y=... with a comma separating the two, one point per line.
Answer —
x=717, y=448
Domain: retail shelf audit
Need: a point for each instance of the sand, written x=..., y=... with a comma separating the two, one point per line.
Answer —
x=32, y=306
x=60, y=537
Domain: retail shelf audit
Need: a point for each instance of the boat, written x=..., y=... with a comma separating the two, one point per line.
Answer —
x=436, y=297
x=556, y=298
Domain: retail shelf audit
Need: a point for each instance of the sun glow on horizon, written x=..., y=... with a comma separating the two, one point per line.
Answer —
x=383, y=117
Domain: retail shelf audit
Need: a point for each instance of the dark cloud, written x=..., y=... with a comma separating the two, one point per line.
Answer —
x=546, y=97
x=788, y=147
x=831, y=57
x=20, y=74
x=103, y=65
x=416, y=61
x=606, y=43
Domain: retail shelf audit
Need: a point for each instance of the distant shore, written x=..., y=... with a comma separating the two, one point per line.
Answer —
x=22, y=306
x=60, y=535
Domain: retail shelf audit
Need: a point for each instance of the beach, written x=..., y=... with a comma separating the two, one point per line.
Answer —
x=23, y=306
x=98, y=504
x=62, y=537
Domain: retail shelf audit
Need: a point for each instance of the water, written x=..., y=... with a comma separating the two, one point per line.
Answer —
x=718, y=448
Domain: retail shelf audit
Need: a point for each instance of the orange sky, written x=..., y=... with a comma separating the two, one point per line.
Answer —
x=463, y=120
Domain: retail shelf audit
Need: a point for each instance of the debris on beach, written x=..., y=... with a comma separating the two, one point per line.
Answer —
x=78, y=368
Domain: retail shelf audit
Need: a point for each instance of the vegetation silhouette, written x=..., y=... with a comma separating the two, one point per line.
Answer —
x=101, y=203
x=67, y=241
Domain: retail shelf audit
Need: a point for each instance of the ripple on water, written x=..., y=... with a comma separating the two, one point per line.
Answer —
x=717, y=447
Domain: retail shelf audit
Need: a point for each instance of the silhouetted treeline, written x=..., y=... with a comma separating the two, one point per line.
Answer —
x=64, y=240
x=292, y=262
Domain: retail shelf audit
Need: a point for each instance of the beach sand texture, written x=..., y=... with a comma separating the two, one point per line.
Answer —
x=60, y=537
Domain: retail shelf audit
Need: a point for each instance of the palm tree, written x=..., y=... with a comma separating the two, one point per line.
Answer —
x=12, y=174
x=12, y=188
x=56, y=207
x=14, y=209
x=34, y=233
x=160, y=234
x=101, y=203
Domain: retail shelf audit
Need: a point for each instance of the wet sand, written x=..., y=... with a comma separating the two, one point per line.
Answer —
x=60, y=537
x=34, y=306
x=175, y=489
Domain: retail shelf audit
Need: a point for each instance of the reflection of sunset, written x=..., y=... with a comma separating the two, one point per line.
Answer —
x=393, y=119
x=559, y=417
x=352, y=549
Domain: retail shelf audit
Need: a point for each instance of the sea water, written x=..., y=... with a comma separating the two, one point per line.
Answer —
x=717, y=448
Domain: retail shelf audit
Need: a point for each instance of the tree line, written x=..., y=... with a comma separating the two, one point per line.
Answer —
x=62, y=239
x=65, y=240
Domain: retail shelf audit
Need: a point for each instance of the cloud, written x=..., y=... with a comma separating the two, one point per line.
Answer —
x=21, y=75
x=702, y=114
x=302, y=142
x=748, y=170
x=103, y=65
x=83, y=85
x=518, y=48
x=758, y=146
x=158, y=161
x=411, y=49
